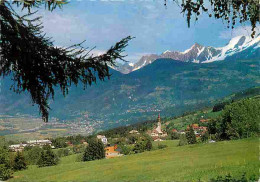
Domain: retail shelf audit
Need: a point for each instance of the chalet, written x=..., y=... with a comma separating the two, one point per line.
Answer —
x=112, y=152
x=103, y=139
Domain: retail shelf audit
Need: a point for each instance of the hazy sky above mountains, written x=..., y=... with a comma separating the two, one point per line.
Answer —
x=156, y=28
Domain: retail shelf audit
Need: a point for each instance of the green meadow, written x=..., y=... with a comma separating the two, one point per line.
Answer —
x=174, y=163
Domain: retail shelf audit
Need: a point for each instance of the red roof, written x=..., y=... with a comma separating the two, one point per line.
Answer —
x=204, y=120
x=174, y=130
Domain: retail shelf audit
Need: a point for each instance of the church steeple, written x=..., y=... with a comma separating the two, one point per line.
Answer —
x=159, y=118
x=159, y=125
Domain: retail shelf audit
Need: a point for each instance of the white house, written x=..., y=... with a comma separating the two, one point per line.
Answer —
x=102, y=138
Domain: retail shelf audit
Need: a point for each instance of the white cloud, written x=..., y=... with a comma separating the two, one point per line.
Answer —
x=242, y=30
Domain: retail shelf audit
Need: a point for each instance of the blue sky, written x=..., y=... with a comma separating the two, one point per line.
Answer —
x=104, y=22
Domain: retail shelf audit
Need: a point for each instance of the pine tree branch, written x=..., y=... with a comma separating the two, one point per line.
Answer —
x=38, y=67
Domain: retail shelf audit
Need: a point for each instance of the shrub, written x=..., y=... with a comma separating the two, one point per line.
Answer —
x=174, y=136
x=63, y=152
x=162, y=146
x=79, y=148
x=126, y=150
x=183, y=140
x=229, y=178
x=95, y=150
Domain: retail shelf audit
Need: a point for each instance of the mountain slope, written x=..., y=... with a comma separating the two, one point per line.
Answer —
x=167, y=86
x=238, y=47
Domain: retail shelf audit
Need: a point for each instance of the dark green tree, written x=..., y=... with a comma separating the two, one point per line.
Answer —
x=139, y=147
x=32, y=155
x=190, y=135
x=59, y=142
x=47, y=158
x=173, y=135
x=240, y=119
x=19, y=162
x=94, y=151
x=3, y=142
x=148, y=145
x=79, y=148
x=212, y=128
x=63, y=152
x=5, y=167
x=132, y=138
x=144, y=143
x=205, y=137
x=161, y=146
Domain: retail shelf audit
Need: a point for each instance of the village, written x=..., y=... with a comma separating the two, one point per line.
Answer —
x=113, y=149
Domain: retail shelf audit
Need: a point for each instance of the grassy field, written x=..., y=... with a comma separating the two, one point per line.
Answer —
x=186, y=163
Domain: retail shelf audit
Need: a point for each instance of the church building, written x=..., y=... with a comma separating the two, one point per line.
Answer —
x=157, y=132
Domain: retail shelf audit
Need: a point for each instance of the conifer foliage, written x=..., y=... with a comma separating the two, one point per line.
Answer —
x=230, y=11
x=37, y=66
x=19, y=162
x=190, y=135
x=95, y=150
x=5, y=166
x=47, y=157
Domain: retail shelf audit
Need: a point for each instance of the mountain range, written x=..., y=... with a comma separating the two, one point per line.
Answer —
x=200, y=54
x=165, y=85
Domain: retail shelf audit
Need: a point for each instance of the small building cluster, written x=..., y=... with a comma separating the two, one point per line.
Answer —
x=30, y=143
x=198, y=130
x=111, y=151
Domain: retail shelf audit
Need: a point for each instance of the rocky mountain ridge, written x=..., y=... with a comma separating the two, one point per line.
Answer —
x=198, y=53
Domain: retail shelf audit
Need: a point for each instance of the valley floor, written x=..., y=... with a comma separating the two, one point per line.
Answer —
x=186, y=163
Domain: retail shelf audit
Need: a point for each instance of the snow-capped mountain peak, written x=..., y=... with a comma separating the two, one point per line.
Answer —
x=205, y=54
